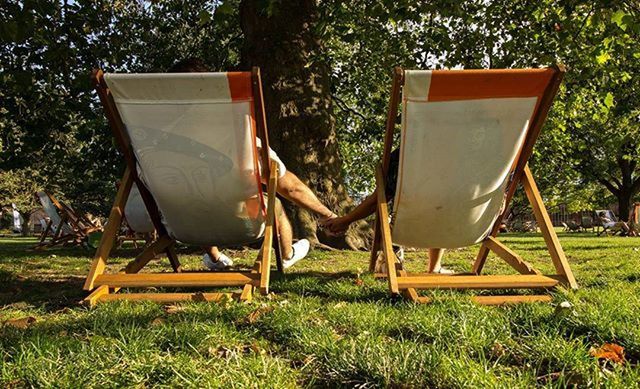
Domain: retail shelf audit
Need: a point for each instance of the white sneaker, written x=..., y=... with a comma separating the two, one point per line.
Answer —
x=300, y=250
x=443, y=270
x=381, y=264
x=222, y=263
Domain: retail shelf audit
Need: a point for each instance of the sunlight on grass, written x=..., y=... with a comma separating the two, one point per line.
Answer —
x=322, y=328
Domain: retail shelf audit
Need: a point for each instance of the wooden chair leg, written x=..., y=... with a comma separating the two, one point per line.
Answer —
x=544, y=222
x=111, y=231
x=385, y=232
x=265, y=251
x=148, y=254
x=173, y=258
x=375, y=246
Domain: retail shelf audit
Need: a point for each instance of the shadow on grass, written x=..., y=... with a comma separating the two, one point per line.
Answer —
x=49, y=294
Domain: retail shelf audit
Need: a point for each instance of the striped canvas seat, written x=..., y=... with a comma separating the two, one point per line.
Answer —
x=465, y=141
x=461, y=133
x=194, y=138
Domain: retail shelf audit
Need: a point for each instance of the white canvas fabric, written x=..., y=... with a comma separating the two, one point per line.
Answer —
x=52, y=212
x=136, y=213
x=455, y=159
x=193, y=136
x=17, y=218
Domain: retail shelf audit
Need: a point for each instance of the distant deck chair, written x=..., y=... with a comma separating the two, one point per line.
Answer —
x=65, y=227
x=189, y=141
x=606, y=230
x=465, y=141
x=587, y=223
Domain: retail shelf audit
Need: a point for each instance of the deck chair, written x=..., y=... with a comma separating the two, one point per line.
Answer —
x=465, y=140
x=587, y=224
x=65, y=227
x=189, y=142
x=606, y=230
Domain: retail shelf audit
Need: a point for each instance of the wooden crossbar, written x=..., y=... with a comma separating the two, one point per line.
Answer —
x=176, y=279
x=524, y=281
x=509, y=256
x=500, y=300
x=169, y=297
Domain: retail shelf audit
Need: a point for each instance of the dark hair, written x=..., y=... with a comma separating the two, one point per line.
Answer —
x=189, y=65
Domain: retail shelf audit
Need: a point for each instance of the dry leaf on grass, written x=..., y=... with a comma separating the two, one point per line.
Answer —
x=609, y=352
x=21, y=323
x=359, y=282
x=171, y=309
x=498, y=350
x=158, y=321
x=255, y=315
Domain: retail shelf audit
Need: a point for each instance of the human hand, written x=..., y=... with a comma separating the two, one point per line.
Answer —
x=336, y=226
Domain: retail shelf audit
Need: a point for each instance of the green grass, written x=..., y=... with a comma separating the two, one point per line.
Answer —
x=321, y=330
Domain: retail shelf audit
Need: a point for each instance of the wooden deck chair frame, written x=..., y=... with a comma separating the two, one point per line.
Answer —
x=103, y=286
x=401, y=282
x=80, y=227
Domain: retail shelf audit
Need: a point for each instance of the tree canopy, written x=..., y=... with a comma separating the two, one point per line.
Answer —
x=53, y=134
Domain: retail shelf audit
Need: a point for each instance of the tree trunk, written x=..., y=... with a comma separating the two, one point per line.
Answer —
x=281, y=39
x=624, y=205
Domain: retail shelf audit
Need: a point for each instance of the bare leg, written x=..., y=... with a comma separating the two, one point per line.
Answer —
x=435, y=259
x=213, y=252
x=285, y=231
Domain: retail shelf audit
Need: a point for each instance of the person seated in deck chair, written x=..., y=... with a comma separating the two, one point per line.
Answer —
x=613, y=225
x=289, y=186
x=339, y=225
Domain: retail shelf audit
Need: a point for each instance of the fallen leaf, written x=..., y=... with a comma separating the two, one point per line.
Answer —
x=64, y=311
x=257, y=349
x=255, y=315
x=359, y=282
x=609, y=352
x=498, y=350
x=171, y=309
x=21, y=323
x=158, y=321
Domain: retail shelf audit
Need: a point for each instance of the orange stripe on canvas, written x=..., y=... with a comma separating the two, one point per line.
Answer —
x=449, y=85
x=240, y=85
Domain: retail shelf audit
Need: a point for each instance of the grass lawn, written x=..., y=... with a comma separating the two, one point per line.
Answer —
x=321, y=330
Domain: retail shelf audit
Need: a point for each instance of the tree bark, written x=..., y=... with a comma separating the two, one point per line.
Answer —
x=280, y=37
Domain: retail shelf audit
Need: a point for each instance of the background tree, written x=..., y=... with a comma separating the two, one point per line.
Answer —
x=326, y=66
x=282, y=38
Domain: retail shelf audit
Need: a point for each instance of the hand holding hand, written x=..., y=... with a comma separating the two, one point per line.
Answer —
x=336, y=226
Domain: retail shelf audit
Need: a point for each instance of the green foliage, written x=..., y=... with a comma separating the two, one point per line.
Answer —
x=50, y=122
x=53, y=134
x=594, y=115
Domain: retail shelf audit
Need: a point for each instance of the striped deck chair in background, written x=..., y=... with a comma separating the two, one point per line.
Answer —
x=466, y=138
x=65, y=226
x=189, y=141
